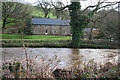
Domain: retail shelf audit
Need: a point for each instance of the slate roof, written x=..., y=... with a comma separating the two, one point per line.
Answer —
x=41, y=21
x=89, y=29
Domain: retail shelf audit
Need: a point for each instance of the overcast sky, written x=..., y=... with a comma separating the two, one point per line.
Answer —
x=84, y=3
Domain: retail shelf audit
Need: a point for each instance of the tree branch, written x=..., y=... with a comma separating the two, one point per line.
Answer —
x=93, y=6
x=99, y=18
x=113, y=3
x=60, y=9
x=97, y=7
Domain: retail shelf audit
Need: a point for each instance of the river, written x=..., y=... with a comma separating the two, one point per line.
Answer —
x=69, y=57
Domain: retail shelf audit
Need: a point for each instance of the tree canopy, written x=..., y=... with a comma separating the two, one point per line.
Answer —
x=14, y=12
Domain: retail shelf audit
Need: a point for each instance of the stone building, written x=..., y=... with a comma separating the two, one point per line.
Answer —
x=51, y=26
x=56, y=27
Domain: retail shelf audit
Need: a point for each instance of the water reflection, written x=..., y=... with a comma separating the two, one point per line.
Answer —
x=75, y=54
x=76, y=57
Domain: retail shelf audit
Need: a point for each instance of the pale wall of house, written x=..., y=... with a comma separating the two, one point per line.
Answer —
x=59, y=30
x=55, y=30
x=65, y=30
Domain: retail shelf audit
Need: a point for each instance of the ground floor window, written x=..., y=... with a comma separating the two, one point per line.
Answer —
x=46, y=32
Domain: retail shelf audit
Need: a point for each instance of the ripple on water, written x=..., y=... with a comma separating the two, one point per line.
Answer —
x=69, y=57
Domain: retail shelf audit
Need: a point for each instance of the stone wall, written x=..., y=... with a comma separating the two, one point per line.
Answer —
x=65, y=30
x=51, y=29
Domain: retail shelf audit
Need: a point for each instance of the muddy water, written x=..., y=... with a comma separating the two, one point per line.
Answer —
x=69, y=57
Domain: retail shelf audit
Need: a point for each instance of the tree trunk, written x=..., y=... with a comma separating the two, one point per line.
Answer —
x=45, y=15
x=76, y=37
x=57, y=14
x=4, y=23
x=75, y=23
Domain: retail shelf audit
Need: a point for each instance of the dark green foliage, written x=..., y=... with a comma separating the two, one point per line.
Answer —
x=78, y=23
x=19, y=30
x=28, y=28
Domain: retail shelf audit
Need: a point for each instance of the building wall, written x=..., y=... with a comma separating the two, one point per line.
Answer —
x=51, y=29
x=65, y=30
x=55, y=30
x=95, y=32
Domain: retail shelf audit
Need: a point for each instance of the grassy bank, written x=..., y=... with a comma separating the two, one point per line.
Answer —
x=33, y=37
x=51, y=42
x=57, y=44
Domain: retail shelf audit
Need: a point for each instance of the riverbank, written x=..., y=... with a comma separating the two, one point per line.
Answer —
x=50, y=41
x=29, y=70
x=58, y=44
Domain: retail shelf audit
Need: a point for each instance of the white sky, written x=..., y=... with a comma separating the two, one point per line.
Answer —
x=84, y=3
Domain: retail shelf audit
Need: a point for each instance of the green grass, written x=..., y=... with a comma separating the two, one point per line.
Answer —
x=38, y=13
x=34, y=40
x=9, y=24
x=33, y=37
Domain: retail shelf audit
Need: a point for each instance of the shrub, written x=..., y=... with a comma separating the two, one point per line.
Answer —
x=19, y=30
x=28, y=28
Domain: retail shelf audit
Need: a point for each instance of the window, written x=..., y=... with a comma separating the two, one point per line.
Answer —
x=46, y=31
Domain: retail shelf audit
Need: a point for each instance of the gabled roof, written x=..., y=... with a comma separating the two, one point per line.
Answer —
x=42, y=21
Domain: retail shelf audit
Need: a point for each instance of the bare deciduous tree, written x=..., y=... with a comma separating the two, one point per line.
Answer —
x=13, y=12
x=45, y=6
x=109, y=24
x=57, y=12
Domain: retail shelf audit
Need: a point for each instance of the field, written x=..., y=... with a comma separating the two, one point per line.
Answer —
x=33, y=37
x=9, y=40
